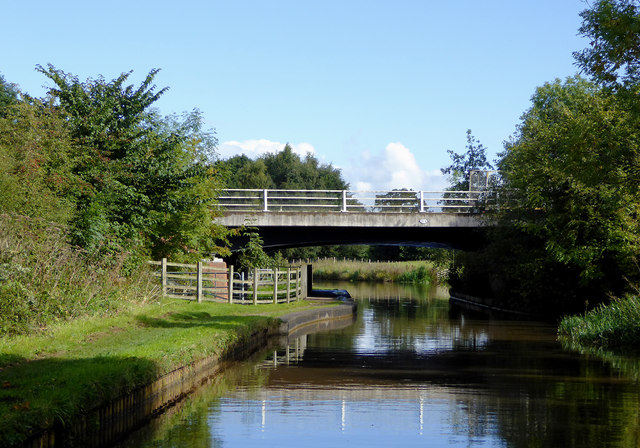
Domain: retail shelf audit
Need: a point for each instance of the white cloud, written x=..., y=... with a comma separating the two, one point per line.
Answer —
x=394, y=168
x=256, y=148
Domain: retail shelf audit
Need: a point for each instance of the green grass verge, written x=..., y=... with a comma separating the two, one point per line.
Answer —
x=55, y=376
x=424, y=272
x=614, y=326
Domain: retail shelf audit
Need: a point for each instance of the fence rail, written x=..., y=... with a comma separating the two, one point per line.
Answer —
x=374, y=201
x=206, y=282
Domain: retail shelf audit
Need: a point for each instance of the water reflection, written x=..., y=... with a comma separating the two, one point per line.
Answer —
x=414, y=372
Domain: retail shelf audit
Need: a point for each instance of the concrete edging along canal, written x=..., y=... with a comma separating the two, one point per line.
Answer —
x=105, y=425
x=484, y=304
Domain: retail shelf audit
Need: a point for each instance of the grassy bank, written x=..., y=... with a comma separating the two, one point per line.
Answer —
x=70, y=368
x=425, y=272
x=615, y=326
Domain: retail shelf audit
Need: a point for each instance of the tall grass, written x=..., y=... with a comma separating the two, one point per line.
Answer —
x=612, y=326
x=425, y=272
x=44, y=279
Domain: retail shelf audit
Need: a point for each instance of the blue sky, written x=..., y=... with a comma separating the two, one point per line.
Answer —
x=380, y=89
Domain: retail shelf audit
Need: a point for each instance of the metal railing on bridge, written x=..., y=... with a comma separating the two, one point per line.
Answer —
x=372, y=201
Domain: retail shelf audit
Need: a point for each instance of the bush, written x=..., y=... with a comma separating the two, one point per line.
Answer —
x=43, y=278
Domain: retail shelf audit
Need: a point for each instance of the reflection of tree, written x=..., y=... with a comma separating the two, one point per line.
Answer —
x=189, y=422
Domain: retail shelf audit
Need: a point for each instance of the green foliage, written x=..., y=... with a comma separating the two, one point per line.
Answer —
x=283, y=170
x=402, y=200
x=43, y=279
x=611, y=326
x=147, y=181
x=9, y=94
x=252, y=255
x=37, y=157
x=613, y=55
x=93, y=182
x=568, y=235
x=574, y=165
x=417, y=272
x=462, y=164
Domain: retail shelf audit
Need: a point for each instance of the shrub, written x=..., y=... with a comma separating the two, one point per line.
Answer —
x=43, y=278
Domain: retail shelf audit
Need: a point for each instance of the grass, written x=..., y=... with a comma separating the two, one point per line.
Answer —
x=425, y=272
x=615, y=326
x=69, y=368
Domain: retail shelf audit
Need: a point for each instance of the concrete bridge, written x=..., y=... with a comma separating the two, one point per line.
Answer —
x=295, y=218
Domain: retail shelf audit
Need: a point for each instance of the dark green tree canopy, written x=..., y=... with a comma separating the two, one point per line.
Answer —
x=9, y=94
x=283, y=170
x=574, y=164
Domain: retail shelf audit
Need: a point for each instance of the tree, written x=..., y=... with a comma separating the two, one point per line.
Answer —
x=574, y=164
x=149, y=183
x=9, y=94
x=283, y=170
x=37, y=156
x=613, y=55
x=402, y=200
x=462, y=164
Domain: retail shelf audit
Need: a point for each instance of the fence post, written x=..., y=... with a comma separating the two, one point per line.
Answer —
x=255, y=286
x=275, y=285
x=289, y=284
x=421, y=201
x=344, y=200
x=199, y=282
x=298, y=271
x=163, y=277
x=242, y=286
x=230, y=283
x=265, y=207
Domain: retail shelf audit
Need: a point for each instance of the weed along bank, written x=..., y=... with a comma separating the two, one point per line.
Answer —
x=89, y=383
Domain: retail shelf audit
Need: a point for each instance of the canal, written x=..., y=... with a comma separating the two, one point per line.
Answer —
x=411, y=371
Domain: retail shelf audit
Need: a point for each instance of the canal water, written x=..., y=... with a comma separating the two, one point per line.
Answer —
x=412, y=371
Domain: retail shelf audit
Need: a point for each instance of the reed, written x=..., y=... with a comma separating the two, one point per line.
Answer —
x=424, y=272
x=612, y=326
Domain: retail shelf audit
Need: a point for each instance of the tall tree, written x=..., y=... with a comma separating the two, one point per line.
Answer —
x=9, y=94
x=147, y=176
x=283, y=170
x=574, y=164
x=613, y=55
x=37, y=156
x=475, y=158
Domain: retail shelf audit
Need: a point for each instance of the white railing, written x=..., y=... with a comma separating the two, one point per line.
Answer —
x=374, y=201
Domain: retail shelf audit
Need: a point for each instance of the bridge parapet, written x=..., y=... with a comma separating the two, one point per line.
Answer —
x=345, y=201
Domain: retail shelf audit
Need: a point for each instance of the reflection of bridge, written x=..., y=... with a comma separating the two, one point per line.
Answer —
x=292, y=218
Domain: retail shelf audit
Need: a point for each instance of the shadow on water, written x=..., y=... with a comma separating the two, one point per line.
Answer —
x=188, y=423
x=58, y=392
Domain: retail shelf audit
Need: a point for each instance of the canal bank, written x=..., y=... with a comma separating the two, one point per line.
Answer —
x=116, y=391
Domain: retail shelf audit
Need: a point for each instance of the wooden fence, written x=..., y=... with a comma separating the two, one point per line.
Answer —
x=204, y=281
